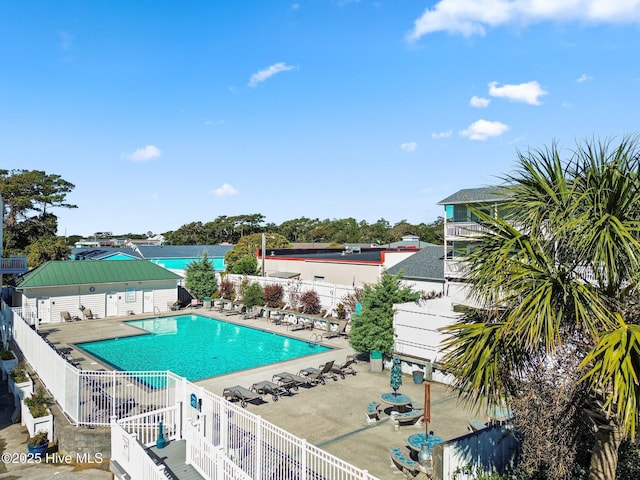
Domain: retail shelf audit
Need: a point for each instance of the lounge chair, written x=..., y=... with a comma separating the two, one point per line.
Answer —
x=269, y=388
x=320, y=374
x=346, y=367
x=88, y=314
x=254, y=314
x=277, y=318
x=292, y=380
x=301, y=324
x=338, y=332
x=236, y=309
x=66, y=316
x=241, y=394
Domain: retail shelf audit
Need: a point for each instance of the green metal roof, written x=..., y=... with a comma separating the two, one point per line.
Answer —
x=59, y=273
x=469, y=196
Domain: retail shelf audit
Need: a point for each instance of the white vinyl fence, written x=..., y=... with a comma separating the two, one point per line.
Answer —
x=330, y=294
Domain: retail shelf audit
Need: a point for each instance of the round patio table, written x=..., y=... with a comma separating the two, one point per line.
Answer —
x=416, y=441
x=396, y=400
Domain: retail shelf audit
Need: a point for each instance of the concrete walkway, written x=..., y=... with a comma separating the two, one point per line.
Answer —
x=331, y=416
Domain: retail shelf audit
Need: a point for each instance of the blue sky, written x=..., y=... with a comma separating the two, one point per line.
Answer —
x=164, y=113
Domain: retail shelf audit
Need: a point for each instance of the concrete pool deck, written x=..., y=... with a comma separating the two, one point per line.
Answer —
x=331, y=416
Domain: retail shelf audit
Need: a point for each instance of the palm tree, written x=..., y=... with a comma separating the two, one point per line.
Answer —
x=557, y=275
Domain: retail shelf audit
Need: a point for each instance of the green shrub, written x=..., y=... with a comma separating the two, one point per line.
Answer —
x=253, y=295
x=38, y=403
x=6, y=354
x=19, y=374
x=39, y=439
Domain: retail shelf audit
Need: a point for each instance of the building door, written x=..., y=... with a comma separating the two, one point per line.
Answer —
x=147, y=301
x=111, y=309
x=44, y=310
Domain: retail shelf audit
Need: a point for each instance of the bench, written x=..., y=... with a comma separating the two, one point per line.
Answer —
x=373, y=412
x=400, y=459
x=413, y=417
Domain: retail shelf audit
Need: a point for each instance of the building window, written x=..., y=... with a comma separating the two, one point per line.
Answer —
x=130, y=294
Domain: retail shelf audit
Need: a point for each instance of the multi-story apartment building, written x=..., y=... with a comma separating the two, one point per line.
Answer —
x=460, y=223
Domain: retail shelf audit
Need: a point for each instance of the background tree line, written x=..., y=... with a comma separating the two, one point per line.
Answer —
x=225, y=229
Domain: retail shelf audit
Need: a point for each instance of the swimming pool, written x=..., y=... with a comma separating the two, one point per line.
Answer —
x=197, y=347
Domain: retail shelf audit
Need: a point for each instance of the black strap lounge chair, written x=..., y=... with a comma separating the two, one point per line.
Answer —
x=291, y=380
x=301, y=324
x=241, y=394
x=338, y=332
x=270, y=388
x=346, y=367
x=320, y=374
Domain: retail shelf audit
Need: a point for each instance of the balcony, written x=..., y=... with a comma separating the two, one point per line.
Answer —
x=463, y=229
x=454, y=268
x=13, y=265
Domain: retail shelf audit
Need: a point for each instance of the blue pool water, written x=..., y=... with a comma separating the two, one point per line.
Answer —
x=197, y=347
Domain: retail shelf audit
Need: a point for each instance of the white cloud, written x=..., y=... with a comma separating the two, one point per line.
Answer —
x=479, y=102
x=566, y=104
x=446, y=134
x=66, y=40
x=262, y=75
x=523, y=92
x=584, y=78
x=409, y=146
x=143, y=154
x=224, y=190
x=483, y=129
x=471, y=17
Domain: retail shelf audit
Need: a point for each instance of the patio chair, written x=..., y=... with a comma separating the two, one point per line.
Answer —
x=338, y=332
x=346, y=367
x=241, y=394
x=266, y=387
x=88, y=314
x=320, y=374
x=254, y=314
x=66, y=316
x=292, y=380
x=301, y=324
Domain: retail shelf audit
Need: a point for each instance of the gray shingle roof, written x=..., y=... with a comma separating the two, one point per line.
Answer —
x=476, y=195
x=426, y=264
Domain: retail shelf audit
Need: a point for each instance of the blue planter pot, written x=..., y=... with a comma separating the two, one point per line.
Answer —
x=38, y=450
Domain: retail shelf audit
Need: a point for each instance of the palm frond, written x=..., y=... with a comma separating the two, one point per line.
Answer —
x=613, y=368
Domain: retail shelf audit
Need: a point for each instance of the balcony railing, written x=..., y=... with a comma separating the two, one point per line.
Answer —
x=454, y=268
x=464, y=229
x=13, y=265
